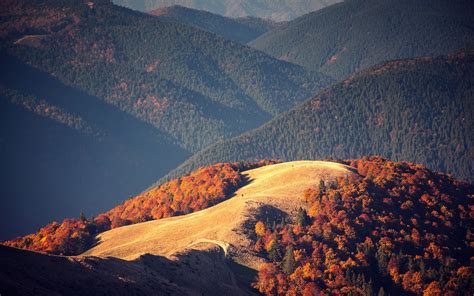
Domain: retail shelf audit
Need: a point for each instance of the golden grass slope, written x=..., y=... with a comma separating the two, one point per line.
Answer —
x=278, y=186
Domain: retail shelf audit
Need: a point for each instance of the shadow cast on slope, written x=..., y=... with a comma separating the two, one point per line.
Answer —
x=193, y=272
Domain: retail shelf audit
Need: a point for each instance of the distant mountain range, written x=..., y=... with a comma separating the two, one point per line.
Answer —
x=242, y=30
x=347, y=37
x=281, y=10
x=415, y=109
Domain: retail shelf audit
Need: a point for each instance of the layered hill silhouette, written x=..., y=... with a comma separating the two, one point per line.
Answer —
x=363, y=225
x=241, y=30
x=267, y=9
x=193, y=85
x=350, y=36
x=416, y=109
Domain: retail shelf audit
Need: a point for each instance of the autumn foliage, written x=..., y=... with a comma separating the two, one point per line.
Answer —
x=396, y=229
x=72, y=236
x=201, y=189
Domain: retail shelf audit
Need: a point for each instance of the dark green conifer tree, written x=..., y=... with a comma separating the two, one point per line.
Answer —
x=289, y=261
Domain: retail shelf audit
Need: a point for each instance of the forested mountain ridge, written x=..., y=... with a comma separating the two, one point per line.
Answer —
x=64, y=151
x=416, y=109
x=190, y=84
x=350, y=36
x=242, y=30
x=283, y=10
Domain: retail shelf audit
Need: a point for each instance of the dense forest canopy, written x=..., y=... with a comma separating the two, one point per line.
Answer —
x=417, y=110
x=396, y=229
x=350, y=36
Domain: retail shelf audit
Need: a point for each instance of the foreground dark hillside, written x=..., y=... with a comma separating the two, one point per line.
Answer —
x=190, y=84
x=30, y=273
x=241, y=30
x=397, y=229
x=64, y=151
x=419, y=110
x=351, y=36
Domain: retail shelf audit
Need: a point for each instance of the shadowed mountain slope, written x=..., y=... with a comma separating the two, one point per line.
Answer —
x=64, y=151
x=192, y=272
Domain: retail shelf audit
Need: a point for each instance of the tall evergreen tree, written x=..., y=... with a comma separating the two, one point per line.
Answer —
x=302, y=217
x=274, y=252
x=289, y=263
